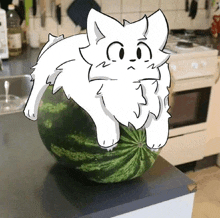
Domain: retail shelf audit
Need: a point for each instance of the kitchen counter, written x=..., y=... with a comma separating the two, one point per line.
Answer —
x=32, y=184
x=21, y=64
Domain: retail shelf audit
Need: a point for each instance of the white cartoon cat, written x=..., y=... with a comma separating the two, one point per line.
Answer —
x=117, y=73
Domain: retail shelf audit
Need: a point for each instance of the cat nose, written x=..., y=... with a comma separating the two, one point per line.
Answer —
x=132, y=60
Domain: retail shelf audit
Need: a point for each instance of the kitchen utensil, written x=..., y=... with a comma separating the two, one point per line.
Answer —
x=206, y=4
x=27, y=5
x=218, y=6
x=58, y=11
x=78, y=11
x=43, y=12
x=193, y=9
x=1, y=65
x=52, y=7
x=9, y=103
x=208, y=8
x=34, y=8
x=187, y=5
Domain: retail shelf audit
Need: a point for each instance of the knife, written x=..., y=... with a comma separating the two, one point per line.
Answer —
x=187, y=5
x=34, y=7
x=52, y=7
x=58, y=11
x=43, y=12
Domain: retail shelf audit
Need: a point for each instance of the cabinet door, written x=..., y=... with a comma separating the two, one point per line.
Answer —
x=213, y=125
x=184, y=149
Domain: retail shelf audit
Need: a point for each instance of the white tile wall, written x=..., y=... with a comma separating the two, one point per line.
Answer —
x=131, y=17
x=114, y=7
x=169, y=4
x=130, y=10
x=149, y=5
x=131, y=5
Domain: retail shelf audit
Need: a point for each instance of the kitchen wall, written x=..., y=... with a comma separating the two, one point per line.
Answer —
x=131, y=10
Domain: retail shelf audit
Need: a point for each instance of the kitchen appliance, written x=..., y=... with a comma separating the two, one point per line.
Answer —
x=3, y=35
x=193, y=68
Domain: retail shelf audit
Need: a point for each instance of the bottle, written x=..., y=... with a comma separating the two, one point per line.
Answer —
x=14, y=32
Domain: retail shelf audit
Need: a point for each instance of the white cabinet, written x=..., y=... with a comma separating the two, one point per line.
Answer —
x=213, y=126
x=184, y=149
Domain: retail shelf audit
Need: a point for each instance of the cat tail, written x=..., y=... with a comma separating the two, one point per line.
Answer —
x=56, y=52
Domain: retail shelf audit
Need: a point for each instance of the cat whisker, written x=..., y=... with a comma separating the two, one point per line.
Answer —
x=103, y=64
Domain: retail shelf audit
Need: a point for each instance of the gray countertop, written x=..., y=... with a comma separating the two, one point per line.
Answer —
x=21, y=64
x=32, y=184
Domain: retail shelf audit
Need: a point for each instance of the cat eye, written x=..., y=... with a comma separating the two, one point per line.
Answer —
x=139, y=53
x=115, y=51
x=121, y=53
x=143, y=51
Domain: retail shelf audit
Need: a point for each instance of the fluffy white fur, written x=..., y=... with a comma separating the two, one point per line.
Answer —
x=117, y=73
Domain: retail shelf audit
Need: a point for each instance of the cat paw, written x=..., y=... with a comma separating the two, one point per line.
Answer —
x=154, y=149
x=30, y=113
x=107, y=138
x=108, y=144
x=111, y=147
x=154, y=142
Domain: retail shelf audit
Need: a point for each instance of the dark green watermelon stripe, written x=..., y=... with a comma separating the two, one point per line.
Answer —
x=74, y=156
x=136, y=135
x=81, y=142
x=151, y=153
x=109, y=164
x=112, y=166
x=85, y=158
x=144, y=165
x=137, y=163
x=127, y=170
x=129, y=135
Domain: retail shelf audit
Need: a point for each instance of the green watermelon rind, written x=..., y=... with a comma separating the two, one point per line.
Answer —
x=76, y=146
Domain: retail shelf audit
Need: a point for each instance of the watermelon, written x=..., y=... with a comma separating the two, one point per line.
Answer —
x=69, y=133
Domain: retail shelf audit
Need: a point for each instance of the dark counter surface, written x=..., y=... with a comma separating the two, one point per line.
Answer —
x=21, y=64
x=32, y=184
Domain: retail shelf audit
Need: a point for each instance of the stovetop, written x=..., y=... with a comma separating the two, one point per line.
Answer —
x=177, y=45
x=197, y=37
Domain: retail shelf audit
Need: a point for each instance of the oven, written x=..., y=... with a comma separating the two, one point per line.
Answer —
x=192, y=77
x=189, y=110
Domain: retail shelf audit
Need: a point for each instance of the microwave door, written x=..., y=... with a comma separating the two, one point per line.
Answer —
x=189, y=107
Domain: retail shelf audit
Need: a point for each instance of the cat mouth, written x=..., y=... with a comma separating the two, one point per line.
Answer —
x=131, y=68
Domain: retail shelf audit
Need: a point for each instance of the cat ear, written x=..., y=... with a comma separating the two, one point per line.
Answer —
x=158, y=29
x=141, y=26
x=99, y=26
